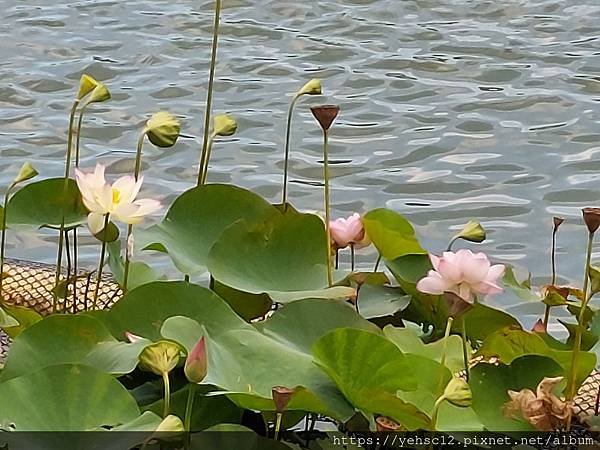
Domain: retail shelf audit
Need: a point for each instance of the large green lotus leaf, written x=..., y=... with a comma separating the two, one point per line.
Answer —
x=246, y=365
x=490, y=385
x=65, y=397
x=295, y=325
x=40, y=204
x=283, y=256
x=391, y=233
x=407, y=340
x=380, y=301
x=143, y=310
x=75, y=339
x=196, y=220
x=482, y=320
x=370, y=370
x=510, y=343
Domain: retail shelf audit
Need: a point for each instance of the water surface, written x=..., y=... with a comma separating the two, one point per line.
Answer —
x=451, y=110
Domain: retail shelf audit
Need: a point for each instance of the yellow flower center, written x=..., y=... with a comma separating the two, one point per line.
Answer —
x=116, y=196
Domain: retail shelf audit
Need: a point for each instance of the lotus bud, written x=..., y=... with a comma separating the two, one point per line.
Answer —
x=282, y=397
x=325, y=115
x=162, y=129
x=386, y=425
x=594, y=274
x=224, y=125
x=161, y=357
x=27, y=172
x=132, y=338
x=99, y=94
x=86, y=85
x=196, y=364
x=557, y=221
x=313, y=87
x=591, y=217
x=472, y=232
x=458, y=392
x=170, y=424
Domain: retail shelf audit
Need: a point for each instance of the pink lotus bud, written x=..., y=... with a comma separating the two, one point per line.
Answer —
x=281, y=397
x=348, y=231
x=132, y=338
x=196, y=364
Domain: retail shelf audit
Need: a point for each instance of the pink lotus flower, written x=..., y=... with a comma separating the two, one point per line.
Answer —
x=463, y=273
x=348, y=231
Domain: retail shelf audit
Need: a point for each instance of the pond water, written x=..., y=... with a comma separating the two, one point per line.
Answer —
x=451, y=109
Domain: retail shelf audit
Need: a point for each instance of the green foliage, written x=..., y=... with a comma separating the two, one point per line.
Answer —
x=40, y=204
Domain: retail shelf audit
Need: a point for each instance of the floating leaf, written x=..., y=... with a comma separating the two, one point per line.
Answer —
x=40, y=204
x=283, y=256
x=370, y=371
x=391, y=233
x=197, y=219
x=65, y=397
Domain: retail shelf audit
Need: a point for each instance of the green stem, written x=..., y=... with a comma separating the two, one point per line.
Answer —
x=377, y=263
x=327, y=207
x=572, y=382
x=465, y=350
x=553, y=280
x=278, y=424
x=207, y=160
x=189, y=407
x=78, y=134
x=167, y=396
x=434, y=413
x=3, y=238
x=443, y=359
x=451, y=243
x=61, y=234
x=101, y=262
x=211, y=82
x=286, y=160
x=136, y=175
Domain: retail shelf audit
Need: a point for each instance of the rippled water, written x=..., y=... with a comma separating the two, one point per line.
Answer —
x=451, y=109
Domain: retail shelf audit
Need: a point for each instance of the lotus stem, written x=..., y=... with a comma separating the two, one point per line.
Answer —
x=167, y=395
x=444, y=349
x=377, y=263
x=3, y=238
x=435, y=411
x=187, y=423
x=206, y=161
x=136, y=175
x=327, y=207
x=352, y=257
x=101, y=262
x=553, y=280
x=572, y=382
x=61, y=233
x=451, y=243
x=278, y=424
x=286, y=160
x=465, y=350
x=209, y=94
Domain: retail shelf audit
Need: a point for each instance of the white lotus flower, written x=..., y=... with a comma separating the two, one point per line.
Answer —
x=117, y=200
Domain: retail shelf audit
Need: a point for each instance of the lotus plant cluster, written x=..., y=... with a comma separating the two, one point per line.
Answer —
x=257, y=325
